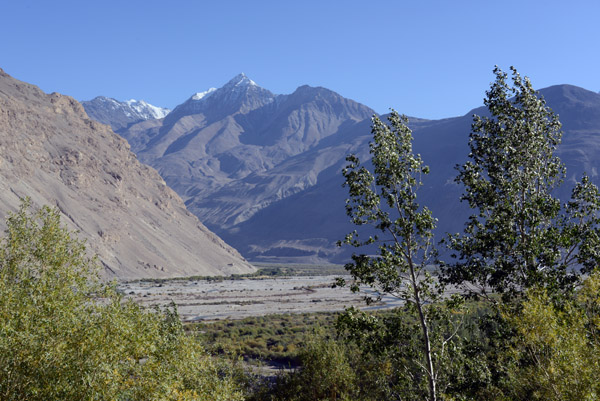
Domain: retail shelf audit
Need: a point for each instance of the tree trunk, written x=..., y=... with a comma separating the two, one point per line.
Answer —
x=426, y=340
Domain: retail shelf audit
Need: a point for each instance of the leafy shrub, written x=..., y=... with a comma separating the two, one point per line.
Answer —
x=65, y=335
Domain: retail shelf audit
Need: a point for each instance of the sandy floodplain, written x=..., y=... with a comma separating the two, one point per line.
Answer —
x=236, y=299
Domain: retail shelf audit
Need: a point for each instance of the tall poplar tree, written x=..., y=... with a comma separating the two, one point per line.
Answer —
x=385, y=199
x=520, y=235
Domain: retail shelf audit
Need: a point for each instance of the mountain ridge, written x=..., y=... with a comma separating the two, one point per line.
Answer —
x=238, y=95
x=52, y=152
x=199, y=153
x=269, y=179
x=119, y=115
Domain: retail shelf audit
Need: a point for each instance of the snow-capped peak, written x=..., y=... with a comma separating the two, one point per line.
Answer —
x=118, y=114
x=146, y=110
x=105, y=99
x=203, y=95
x=237, y=84
x=240, y=94
x=240, y=80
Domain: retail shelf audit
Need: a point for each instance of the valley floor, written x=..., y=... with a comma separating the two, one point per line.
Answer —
x=200, y=300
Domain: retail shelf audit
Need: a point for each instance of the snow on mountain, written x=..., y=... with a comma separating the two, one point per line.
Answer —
x=120, y=115
x=238, y=83
x=240, y=80
x=147, y=110
x=240, y=94
x=239, y=149
x=264, y=170
x=54, y=154
x=203, y=95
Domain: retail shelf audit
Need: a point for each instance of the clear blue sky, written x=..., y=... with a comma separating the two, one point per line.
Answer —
x=428, y=59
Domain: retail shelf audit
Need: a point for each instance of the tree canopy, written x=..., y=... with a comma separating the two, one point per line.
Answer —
x=521, y=242
x=65, y=335
x=520, y=235
x=384, y=198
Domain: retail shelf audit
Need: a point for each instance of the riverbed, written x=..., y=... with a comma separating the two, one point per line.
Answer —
x=205, y=300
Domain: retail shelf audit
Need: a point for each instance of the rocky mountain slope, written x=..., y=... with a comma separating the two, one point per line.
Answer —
x=120, y=115
x=304, y=227
x=264, y=170
x=51, y=151
x=229, y=152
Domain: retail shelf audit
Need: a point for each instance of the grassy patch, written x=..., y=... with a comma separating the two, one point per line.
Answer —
x=272, y=338
x=279, y=337
x=287, y=270
x=265, y=271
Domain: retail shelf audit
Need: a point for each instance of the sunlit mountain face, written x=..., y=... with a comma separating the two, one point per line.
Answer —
x=264, y=170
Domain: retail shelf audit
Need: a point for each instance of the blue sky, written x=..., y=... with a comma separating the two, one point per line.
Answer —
x=429, y=59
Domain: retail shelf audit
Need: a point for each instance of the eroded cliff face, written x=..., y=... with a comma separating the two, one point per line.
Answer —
x=51, y=151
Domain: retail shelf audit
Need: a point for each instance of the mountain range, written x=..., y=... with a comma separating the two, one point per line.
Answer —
x=120, y=115
x=264, y=171
x=53, y=153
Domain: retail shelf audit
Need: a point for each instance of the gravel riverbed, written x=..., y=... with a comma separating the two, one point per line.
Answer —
x=236, y=299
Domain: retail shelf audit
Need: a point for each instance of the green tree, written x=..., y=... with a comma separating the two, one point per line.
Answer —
x=520, y=235
x=557, y=356
x=325, y=374
x=64, y=335
x=385, y=200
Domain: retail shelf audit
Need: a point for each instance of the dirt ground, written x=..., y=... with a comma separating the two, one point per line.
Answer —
x=236, y=299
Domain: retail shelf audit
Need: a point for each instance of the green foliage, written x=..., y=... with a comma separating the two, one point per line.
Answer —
x=522, y=249
x=523, y=243
x=326, y=374
x=272, y=338
x=394, y=353
x=265, y=271
x=520, y=236
x=581, y=223
x=64, y=335
x=385, y=200
x=557, y=356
